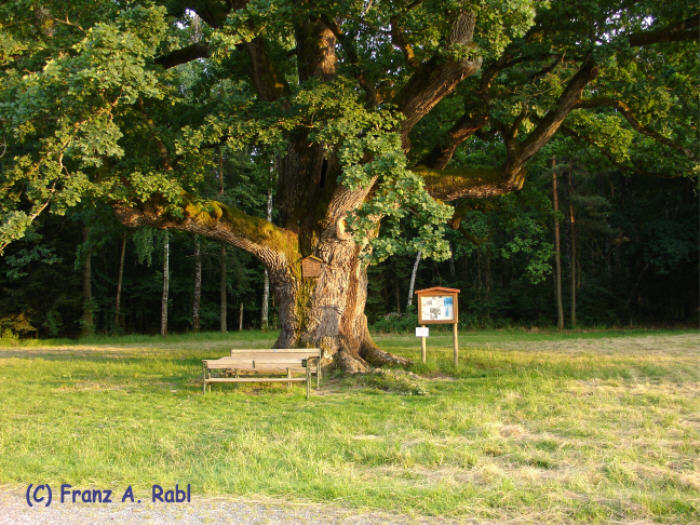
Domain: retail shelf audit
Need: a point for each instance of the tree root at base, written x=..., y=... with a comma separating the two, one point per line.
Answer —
x=374, y=355
x=351, y=364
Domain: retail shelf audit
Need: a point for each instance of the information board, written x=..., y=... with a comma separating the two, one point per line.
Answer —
x=437, y=308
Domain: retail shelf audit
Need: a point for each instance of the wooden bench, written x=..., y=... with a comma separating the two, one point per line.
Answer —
x=269, y=362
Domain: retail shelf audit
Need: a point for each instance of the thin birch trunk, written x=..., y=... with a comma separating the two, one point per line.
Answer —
x=197, y=300
x=572, y=223
x=88, y=319
x=412, y=282
x=120, y=281
x=264, y=310
x=166, y=287
x=397, y=295
x=223, y=305
x=240, y=318
x=557, y=248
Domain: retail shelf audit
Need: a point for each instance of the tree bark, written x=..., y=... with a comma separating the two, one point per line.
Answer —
x=328, y=311
x=197, y=299
x=264, y=310
x=412, y=282
x=166, y=286
x=240, y=318
x=88, y=320
x=397, y=292
x=223, y=305
x=557, y=249
x=120, y=280
x=572, y=224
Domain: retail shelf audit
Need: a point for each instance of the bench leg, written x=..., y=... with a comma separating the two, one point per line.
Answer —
x=318, y=374
x=289, y=375
x=308, y=379
x=204, y=379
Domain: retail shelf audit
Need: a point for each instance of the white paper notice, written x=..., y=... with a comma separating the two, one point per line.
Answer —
x=437, y=308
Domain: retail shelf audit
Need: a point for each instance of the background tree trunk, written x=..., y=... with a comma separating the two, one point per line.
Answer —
x=557, y=249
x=120, y=280
x=264, y=310
x=223, y=305
x=572, y=223
x=412, y=282
x=197, y=299
x=88, y=319
x=453, y=269
x=240, y=318
x=166, y=286
x=397, y=292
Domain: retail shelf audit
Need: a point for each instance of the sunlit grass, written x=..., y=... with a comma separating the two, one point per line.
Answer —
x=536, y=428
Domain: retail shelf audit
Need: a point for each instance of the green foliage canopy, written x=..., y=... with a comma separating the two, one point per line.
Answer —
x=92, y=106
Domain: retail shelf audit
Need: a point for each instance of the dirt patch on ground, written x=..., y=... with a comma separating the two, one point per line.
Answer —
x=665, y=346
x=15, y=511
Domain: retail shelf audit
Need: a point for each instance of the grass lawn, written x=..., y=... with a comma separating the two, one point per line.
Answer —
x=533, y=427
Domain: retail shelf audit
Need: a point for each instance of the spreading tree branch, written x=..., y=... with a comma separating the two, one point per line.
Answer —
x=626, y=112
x=624, y=168
x=213, y=12
x=184, y=55
x=520, y=152
x=435, y=79
x=454, y=183
x=464, y=128
x=275, y=247
x=679, y=32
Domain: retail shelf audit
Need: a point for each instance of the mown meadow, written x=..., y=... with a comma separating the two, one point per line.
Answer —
x=536, y=427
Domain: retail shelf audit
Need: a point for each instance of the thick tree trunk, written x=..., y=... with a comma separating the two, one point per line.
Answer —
x=328, y=311
x=557, y=249
x=197, y=299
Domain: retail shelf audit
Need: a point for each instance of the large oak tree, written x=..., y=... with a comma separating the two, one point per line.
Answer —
x=371, y=113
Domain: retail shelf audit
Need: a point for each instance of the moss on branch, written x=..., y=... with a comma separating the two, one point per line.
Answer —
x=215, y=220
x=254, y=229
x=454, y=183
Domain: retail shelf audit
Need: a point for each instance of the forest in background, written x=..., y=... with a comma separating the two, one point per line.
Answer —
x=557, y=141
x=631, y=259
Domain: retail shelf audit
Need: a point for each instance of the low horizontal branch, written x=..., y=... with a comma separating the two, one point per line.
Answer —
x=275, y=247
x=184, y=55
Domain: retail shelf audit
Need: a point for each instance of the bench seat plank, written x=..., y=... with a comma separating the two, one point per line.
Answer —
x=267, y=361
x=252, y=379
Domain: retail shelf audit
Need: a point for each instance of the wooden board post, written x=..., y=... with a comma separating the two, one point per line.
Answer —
x=423, y=349
x=455, y=343
x=439, y=305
